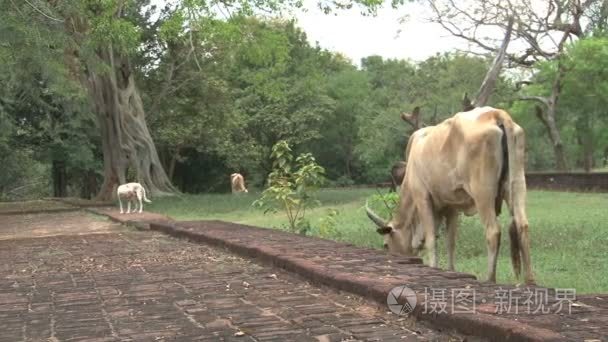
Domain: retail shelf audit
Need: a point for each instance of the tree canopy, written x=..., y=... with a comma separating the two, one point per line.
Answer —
x=98, y=93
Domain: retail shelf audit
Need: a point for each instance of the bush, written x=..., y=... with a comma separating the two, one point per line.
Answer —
x=384, y=204
x=22, y=177
x=342, y=181
x=327, y=227
x=291, y=186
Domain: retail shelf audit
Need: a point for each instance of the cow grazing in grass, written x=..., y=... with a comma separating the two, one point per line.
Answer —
x=132, y=192
x=237, y=182
x=468, y=163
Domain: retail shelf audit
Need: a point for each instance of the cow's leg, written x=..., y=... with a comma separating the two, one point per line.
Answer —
x=120, y=204
x=518, y=232
x=487, y=213
x=484, y=195
x=524, y=240
x=129, y=206
x=451, y=223
x=518, y=196
x=141, y=205
x=520, y=247
x=484, y=188
x=425, y=210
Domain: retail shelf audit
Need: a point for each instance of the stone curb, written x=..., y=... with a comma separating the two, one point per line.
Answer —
x=480, y=325
x=133, y=220
x=69, y=205
x=81, y=203
x=38, y=211
x=139, y=225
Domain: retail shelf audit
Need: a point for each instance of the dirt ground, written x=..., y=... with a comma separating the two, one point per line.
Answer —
x=53, y=224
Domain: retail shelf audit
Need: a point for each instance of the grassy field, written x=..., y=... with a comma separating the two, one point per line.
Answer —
x=569, y=231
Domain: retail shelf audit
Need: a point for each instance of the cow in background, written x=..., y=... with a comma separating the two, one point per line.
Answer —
x=237, y=182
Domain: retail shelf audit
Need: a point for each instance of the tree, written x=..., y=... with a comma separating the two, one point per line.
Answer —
x=544, y=32
x=101, y=45
x=47, y=112
x=291, y=186
x=105, y=39
x=435, y=85
x=280, y=87
x=381, y=139
x=584, y=89
x=194, y=108
x=336, y=149
x=18, y=165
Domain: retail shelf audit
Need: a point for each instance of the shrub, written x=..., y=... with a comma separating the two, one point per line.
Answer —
x=291, y=186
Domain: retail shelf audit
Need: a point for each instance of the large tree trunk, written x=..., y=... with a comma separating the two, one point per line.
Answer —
x=556, y=140
x=548, y=120
x=556, y=91
x=587, y=154
x=489, y=82
x=349, y=160
x=585, y=140
x=173, y=162
x=89, y=184
x=126, y=141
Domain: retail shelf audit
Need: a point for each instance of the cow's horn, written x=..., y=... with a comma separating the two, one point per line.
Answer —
x=374, y=217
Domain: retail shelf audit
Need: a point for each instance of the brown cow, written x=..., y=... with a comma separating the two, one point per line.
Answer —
x=468, y=163
x=237, y=183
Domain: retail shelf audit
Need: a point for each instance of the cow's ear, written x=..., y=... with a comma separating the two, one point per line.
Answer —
x=384, y=230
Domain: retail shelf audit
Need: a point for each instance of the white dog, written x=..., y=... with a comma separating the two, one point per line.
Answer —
x=130, y=192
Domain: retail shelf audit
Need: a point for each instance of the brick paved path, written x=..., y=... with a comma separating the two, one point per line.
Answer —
x=50, y=224
x=125, y=285
x=373, y=274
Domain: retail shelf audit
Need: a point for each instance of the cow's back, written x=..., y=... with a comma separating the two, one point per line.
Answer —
x=445, y=158
x=476, y=133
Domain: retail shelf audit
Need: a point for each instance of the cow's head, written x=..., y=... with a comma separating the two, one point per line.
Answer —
x=403, y=234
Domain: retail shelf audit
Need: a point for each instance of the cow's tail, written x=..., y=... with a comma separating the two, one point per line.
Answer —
x=503, y=179
x=144, y=193
x=515, y=192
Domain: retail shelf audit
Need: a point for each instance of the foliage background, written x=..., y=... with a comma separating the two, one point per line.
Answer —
x=219, y=93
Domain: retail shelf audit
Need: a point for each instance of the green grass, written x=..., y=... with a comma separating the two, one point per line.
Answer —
x=568, y=231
